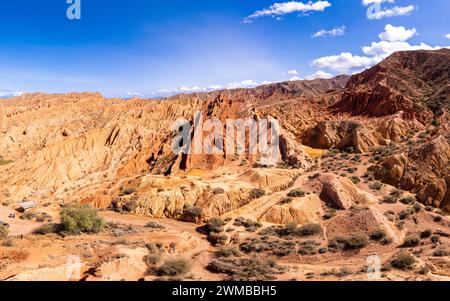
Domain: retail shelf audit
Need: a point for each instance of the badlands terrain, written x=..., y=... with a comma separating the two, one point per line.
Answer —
x=362, y=179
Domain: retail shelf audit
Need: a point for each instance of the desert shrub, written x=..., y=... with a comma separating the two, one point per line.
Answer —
x=154, y=225
x=248, y=224
x=3, y=231
x=192, y=214
x=257, y=193
x=217, y=238
x=176, y=267
x=128, y=191
x=80, y=219
x=329, y=214
x=152, y=259
x=411, y=240
x=296, y=193
x=228, y=252
x=9, y=242
x=215, y=225
x=219, y=190
x=426, y=234
x=408, y=200
x=436, y=123
x=403, y=261
x=375, y=186
x=47, y=229
x=245, y=269
x=309, y=230
x=441, y=252
x=286, y=200
x=437, y=219
x=405, y=214
x=354, y=242
x=423, y=135
x=355, y=179
x=377, y=235
x=435, y=239
x=417, y=207
x=389, y=199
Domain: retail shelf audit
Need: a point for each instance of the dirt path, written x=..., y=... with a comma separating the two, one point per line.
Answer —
x=17, y=226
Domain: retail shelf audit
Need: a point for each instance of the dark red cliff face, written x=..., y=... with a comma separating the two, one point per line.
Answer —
x=416, y=82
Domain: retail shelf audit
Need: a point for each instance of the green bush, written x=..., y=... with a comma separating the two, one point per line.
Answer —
x=426, y=234
x=215, y=225
x=47, y=229
x=286, y=200
x=228, y=252
x=128, y=191
x=257, y=193
x=354, y=242
x=441, y=252
x=3, y=231
x=176, y=267
x=408, y=200
x=296, y=193
x=192, y=214
x=219, y=190
x=403, y=261
x=378, y=235
x=309, y=230
x=81, y=219
x=154, y=225
x=245, y=269
x=411, y=240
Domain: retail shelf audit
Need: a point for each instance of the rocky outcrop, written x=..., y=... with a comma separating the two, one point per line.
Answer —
x=338, y=192
x=423, y=171
x=342, y=135
x=300, y=211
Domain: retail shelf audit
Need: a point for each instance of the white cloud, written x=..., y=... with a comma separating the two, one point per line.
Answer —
x=396, y=34
x=391, y=12
x=344, y=62
x=368, y=2
x=294, y=78
x=383, y=49
x=447, y=36
x=279, y=9
x=395, y=37
x=335, y=32
x=293, y=72
x=8, y=93
x=319, y=74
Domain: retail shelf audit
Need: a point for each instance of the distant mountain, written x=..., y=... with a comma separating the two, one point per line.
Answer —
x=416, y=82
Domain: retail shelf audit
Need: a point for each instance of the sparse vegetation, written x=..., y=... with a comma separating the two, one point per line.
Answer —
x=257, y=193
x=354, y=242
x=215, y=225
x=403, y=261
x=192, y=214
x=80, y=219
x=411, y=240
x=3, y=231
x=154, y=225
x=47, y=229
x=219, y=190
x=176, y=267
x=296, y=193
x=246, y=269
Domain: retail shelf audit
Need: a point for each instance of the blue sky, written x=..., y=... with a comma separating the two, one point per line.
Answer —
x=149, y=47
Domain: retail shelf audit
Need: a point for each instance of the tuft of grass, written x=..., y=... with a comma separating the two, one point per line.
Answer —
x=403, y=261
x=175, y=267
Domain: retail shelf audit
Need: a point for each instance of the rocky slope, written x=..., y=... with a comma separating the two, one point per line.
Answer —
x=362, y=166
